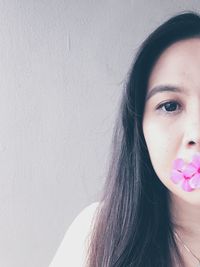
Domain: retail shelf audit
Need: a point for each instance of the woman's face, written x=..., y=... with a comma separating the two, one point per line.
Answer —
x=171, y=122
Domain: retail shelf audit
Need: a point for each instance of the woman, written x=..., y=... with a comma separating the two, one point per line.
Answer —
x=149, y=212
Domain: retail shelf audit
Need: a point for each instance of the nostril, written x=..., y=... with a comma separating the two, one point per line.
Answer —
x=191, y=143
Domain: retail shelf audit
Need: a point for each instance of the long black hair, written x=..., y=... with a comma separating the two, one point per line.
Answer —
x=133, y=226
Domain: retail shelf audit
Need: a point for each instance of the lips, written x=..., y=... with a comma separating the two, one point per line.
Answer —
x=186, y=175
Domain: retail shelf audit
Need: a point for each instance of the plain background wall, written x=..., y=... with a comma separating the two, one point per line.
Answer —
x=63, y=65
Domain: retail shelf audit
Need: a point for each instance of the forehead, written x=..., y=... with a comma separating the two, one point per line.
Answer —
x=178, y=64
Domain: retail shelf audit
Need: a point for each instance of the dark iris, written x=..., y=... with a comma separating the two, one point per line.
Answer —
x=171, y=106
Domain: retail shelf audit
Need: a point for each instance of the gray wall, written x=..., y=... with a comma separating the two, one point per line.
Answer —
x=62, y=68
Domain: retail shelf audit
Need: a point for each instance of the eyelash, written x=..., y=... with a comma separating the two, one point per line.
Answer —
x=159, y=107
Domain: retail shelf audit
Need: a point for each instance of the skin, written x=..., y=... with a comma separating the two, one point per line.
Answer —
x=176, y=134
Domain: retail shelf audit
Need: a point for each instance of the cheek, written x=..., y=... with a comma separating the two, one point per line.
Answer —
x=161, y=147
x=158, y=138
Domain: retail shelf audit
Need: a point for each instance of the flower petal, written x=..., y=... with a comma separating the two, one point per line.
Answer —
x=185, y=186
x=194, y=182
x=178, y=164
x=189, y=170
x=196, y=160
x=176, y=176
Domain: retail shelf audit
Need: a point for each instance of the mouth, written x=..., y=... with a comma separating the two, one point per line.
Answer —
x=186, y=173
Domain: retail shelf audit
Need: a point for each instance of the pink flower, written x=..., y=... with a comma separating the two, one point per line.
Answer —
x=195, y=180
x=187, y=174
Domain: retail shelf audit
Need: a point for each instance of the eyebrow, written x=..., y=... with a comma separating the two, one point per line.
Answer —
x=163, y=88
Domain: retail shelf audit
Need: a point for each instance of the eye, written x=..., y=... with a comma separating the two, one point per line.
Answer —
x=169, y=107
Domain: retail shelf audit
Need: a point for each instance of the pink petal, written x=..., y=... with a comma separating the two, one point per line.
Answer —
x=195, y=181
x=185, y=186
x=189, y=170
x=176, y=176
x=196, y=160
x=178, y=164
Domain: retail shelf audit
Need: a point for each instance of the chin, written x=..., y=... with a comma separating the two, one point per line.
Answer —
x=192, y=197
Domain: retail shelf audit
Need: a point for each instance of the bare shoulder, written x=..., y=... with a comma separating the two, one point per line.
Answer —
x=72, y=250
x=86, y=215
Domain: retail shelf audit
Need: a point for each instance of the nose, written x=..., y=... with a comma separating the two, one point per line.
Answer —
x=191, y=131
x=192, y=136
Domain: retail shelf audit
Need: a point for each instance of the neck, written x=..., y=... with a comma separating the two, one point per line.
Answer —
x=185, y=217
x=186, y=221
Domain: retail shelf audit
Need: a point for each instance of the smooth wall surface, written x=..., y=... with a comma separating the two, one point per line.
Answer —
x=63, y=65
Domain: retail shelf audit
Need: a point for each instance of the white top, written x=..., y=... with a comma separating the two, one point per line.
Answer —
x=72, y=250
